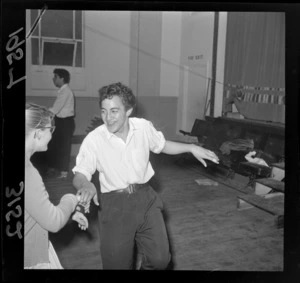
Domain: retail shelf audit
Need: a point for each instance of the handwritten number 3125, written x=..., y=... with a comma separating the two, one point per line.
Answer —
x=13, y=213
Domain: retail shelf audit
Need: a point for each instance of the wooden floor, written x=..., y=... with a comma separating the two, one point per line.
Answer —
x=206, y=231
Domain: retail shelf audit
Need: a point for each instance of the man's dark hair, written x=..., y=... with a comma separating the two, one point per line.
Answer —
x=118, y=89
x=62, y=73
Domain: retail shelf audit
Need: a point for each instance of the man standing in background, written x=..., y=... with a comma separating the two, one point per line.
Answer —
x=59, y=152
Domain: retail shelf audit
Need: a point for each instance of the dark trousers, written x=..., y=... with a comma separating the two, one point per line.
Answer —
x=59, y=147
x=126, y=219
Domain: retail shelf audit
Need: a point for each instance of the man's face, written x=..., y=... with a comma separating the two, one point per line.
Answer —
x=58, y=81
x=114, y=115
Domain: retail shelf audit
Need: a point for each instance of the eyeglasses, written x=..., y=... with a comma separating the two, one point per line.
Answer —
x=52, y=129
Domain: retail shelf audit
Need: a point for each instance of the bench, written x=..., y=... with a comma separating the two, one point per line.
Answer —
x=274, y=205
x=268, y=184
x=268, y=142
x=278, y=171
x=254, y=171
x=268, y=196
x=200, y=130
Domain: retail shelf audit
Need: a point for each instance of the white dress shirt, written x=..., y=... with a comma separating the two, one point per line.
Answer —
x=120, y=164
x=64, y=104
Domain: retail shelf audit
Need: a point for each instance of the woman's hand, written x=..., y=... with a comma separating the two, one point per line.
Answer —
x=83, y=223
x=201, y=153
x=85, y=205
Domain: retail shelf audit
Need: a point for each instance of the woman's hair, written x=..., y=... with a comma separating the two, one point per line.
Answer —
x=37, y=117
x=118, y=89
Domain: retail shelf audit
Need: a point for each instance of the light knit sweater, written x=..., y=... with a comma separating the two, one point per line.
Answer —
x=41, y=216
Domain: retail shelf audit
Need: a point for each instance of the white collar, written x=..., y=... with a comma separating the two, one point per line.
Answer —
x=62, y=88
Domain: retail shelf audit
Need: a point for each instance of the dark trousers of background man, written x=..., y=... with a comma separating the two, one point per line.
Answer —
x=59, y=147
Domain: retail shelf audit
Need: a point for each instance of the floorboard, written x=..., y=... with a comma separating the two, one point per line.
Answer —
x=206, y=230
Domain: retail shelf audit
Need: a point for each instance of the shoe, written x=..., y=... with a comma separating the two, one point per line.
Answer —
x=63, y=175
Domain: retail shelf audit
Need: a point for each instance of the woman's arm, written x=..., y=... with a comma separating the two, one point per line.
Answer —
x=37, y=203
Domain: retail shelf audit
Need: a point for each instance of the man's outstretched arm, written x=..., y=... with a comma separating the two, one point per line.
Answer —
x=199, y=152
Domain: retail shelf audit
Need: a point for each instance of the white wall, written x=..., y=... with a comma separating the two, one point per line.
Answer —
x=156, y=36
x=196, y=57
x=107, y=48
x=149, y=55
x=170, y=53
x=220, y=64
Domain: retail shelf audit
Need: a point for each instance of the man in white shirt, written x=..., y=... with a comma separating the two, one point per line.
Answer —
x=131, y=211
x=59, y=151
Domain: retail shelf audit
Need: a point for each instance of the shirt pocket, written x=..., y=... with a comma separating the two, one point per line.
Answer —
x=140, y=159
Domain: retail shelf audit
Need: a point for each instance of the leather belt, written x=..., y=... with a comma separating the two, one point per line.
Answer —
x=132, y=188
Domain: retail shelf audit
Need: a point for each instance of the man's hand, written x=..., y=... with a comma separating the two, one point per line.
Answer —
x=81, y=219
x=201, y=153
x=85, y=191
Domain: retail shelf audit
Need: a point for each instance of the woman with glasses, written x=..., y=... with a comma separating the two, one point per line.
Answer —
x=41, y=216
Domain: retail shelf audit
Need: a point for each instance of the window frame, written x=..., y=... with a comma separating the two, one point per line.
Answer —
x=42, y=39
x=56, y=40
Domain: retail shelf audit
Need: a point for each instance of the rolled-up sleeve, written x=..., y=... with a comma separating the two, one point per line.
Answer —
x=86, y=159
x=156, y=138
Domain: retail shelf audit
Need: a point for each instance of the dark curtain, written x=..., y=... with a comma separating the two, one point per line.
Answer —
x=255, y=64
